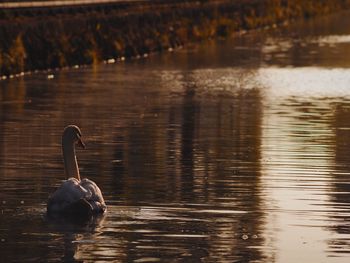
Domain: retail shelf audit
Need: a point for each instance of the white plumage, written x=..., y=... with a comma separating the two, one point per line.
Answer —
x=75, y=196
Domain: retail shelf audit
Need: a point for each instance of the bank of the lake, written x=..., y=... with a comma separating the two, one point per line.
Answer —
x=37, y=39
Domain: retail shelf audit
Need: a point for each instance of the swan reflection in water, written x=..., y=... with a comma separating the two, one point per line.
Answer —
x=74, y=235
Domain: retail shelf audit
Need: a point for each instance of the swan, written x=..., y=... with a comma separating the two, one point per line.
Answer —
x=75, y=196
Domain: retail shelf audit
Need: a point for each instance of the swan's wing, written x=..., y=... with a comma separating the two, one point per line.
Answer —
x=68, y=193
x=93, y=189
x=96, y=200
x=71, y=191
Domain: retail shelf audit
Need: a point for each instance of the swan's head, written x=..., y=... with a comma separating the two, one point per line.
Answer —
x=72, y=135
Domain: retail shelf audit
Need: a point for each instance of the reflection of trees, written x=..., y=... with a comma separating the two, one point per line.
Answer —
x=12, y=105
x=203, y=148
x=310, y=46
x=195, y=148
x=190, y=111
x=24, y=150
x=228, y=154
x=340, y=194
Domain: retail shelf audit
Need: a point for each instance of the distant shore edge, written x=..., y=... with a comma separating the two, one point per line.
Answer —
x=49, y=38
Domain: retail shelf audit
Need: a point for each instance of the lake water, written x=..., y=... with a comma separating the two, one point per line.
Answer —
x=228, y=151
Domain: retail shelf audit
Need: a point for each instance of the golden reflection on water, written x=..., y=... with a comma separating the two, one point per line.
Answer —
x=301, y=166
x=305, y=82
x=296, y=174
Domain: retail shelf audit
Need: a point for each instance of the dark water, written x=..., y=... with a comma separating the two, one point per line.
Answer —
x=233, y=151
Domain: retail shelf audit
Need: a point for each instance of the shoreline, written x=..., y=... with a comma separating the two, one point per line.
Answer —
x=112, y=33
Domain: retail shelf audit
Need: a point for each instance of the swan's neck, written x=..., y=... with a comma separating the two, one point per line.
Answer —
x=70, y=160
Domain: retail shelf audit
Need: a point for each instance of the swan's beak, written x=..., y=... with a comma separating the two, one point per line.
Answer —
x=81, y=143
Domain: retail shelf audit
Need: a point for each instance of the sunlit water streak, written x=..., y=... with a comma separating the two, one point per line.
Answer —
x=234, y=151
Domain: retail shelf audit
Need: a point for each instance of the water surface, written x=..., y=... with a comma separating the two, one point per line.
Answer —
x=229, y=151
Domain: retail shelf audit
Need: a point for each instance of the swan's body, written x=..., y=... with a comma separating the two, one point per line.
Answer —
x=75, y=196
